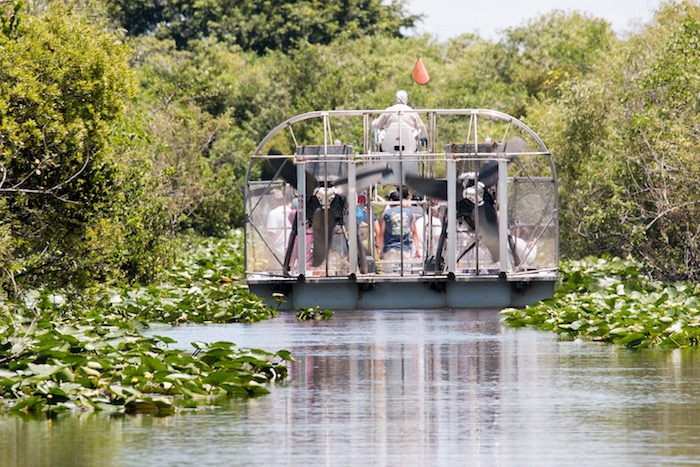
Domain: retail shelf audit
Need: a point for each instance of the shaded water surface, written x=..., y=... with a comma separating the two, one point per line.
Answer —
x=405, y=388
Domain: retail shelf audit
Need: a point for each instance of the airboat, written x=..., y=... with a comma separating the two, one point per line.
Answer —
x=483, y=200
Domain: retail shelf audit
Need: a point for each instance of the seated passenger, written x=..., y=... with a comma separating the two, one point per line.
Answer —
x=408, y=118
x=397, y=228
x=278, y=227
x=368, y=223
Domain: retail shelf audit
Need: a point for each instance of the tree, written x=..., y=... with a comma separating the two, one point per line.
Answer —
x=63, y=85
x=625, y=143
x=191, y=100
x=262, y=25
x=553, y=49
x=663, y=128
x=471, y=78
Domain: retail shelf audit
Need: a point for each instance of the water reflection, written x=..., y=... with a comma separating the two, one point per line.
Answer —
x=408, y=388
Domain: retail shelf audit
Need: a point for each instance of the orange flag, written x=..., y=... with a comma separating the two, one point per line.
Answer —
x=420, y=74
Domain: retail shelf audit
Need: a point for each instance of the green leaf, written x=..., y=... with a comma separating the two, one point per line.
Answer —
x=165, y=339
x=44, y=370
x=285, y=355
x=153, y=363
x=218, y=377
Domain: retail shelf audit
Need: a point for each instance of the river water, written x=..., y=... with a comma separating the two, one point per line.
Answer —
x=404, y=388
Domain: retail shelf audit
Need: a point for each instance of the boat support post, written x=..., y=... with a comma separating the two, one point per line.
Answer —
x=451, y=168
x=503, y=213
x=352, y=219
x=301, y=219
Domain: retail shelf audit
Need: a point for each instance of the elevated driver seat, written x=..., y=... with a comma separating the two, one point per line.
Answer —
x=399, y=139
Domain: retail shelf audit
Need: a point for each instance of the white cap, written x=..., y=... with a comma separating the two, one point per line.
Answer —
x=401, y=97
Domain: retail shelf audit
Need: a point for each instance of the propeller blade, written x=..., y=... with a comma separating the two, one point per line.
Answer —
x=488, y=229
x=323, y=234
x=488, y=175
x=432, y=188
x=364, y=177
x=290, y=245
x=514, y=145
x=286, y=169
x=361, y=254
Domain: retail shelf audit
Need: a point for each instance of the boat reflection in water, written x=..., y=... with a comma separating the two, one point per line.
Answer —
x=404, y=387
x=456, y=387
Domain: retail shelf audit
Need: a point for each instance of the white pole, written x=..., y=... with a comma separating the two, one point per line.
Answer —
x=451, y=168
x=503, y=213
x=352, y=219
x=301, y=219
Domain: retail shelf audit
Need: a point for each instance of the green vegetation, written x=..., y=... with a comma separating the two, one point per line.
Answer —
x=113, y=141
x=124, y=125
x=317, y=314
x=262, y=26
x=625, y=141
x=63, y=86
x=84, y=350
x=610, y=300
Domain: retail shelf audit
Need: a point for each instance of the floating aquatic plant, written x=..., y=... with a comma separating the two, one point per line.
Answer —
x=313, y=313
x=611, y=300
x=83, y=350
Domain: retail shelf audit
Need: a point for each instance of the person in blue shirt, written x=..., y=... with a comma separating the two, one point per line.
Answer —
x=397, y=228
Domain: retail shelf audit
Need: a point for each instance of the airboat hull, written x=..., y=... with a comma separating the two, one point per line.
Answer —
x=406, y=293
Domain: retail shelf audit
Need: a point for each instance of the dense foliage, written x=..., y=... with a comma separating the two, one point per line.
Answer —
x=626, y=141
x=63, y=85
x=112, y=145
x=260, y=26
x=610, y=300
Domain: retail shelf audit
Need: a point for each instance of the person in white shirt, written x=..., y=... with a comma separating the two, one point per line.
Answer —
x=278, y=226
x=423, y=225
x=412, y=119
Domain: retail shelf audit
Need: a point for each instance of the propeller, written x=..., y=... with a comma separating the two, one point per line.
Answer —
x=467, y=192
x=471, y=196
x=325, y=201
x=437, y=187
x=514, y=145
x=287, y=171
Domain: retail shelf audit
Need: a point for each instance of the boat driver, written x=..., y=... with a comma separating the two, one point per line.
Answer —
x=412, y=119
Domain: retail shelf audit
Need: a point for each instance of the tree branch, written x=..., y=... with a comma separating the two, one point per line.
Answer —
x=4, y=175
x=668, y=211
x=47, y=191
x=60, y=185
